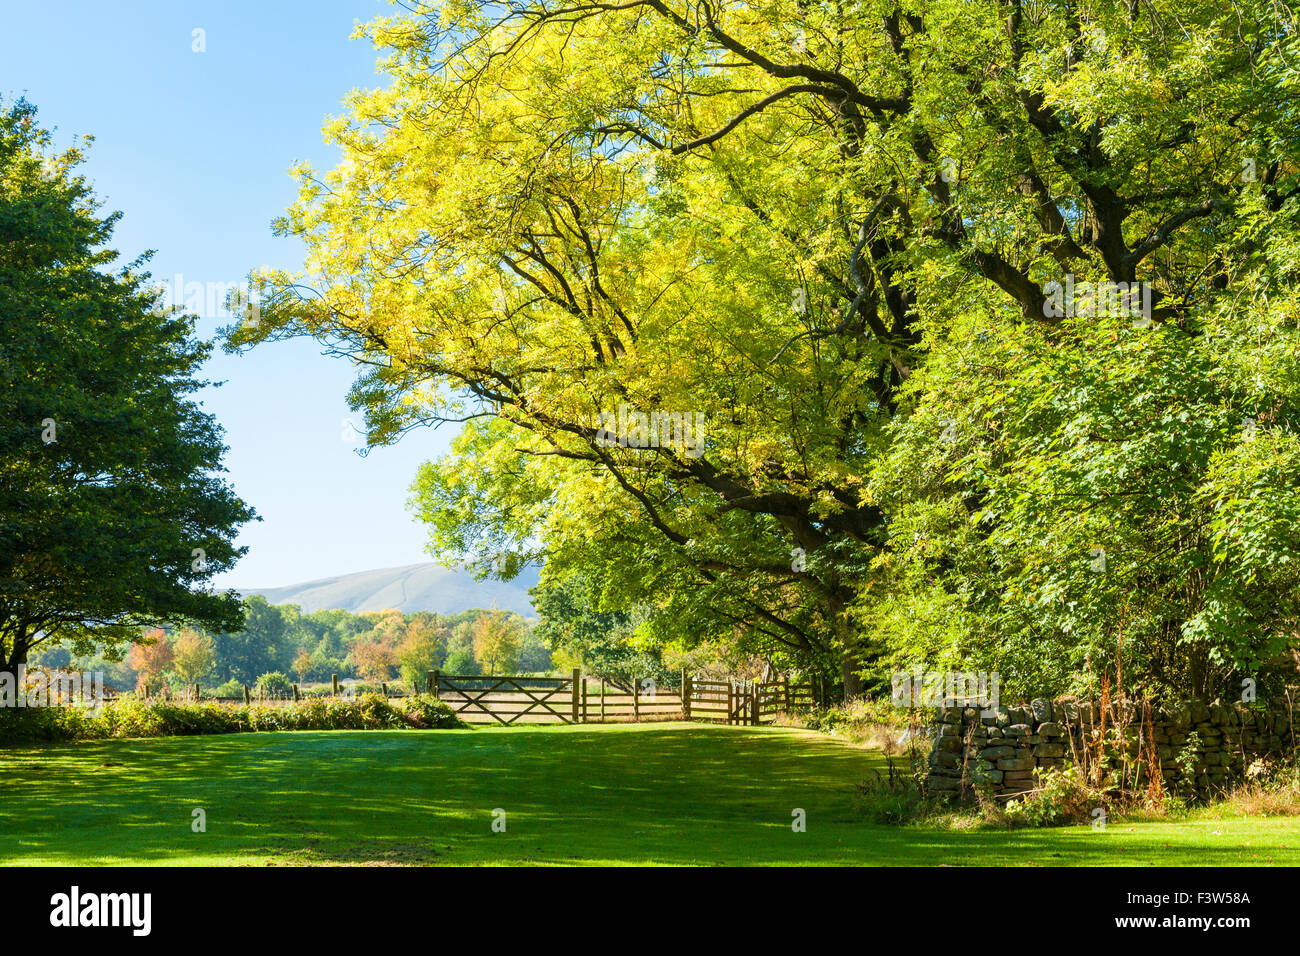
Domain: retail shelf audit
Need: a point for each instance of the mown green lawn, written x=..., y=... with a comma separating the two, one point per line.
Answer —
x=612, y=794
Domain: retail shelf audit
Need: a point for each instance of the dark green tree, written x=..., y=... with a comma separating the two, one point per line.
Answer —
x=264, y=642
x=113, y=514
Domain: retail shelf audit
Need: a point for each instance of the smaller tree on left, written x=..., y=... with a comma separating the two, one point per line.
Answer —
x=114, y=515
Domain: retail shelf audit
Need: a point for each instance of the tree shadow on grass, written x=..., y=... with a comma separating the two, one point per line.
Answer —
x=660, y=793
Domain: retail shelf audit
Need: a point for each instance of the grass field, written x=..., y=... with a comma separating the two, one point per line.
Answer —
x=594, y=794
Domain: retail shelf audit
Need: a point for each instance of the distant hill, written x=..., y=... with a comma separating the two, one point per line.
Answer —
x=415, y=587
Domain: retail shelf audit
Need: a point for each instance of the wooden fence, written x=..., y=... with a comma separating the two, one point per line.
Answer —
x=746, y=702
x=579, y=699
x=574, y=699
x=603, y=702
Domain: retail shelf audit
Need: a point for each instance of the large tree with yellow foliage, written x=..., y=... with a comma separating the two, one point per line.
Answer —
x=819, y=226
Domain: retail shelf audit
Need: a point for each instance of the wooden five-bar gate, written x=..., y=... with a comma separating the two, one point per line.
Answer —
x=579, y=699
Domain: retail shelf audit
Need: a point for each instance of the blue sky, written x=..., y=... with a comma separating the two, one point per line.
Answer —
x=194, y=149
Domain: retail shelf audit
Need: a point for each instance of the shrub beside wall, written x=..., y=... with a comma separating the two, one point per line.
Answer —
x=137, y=718
x=1188, y=745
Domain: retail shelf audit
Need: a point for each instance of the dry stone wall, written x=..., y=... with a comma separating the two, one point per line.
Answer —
x=1003, y=749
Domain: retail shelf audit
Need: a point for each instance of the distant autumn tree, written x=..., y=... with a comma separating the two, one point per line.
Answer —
x=374, y=659
x=388, y=625
x=497, y=641
x=150, y=658
x=193, y=656
x=303, y=664
x=422, y=649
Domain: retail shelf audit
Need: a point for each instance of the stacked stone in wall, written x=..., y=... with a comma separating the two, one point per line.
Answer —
x=1002, y=750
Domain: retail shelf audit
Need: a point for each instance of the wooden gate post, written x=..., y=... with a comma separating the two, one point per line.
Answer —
x=295, y=693
x=602, y=700
x=428, y=682
x=636, y=698
x=731, y=700
x=437, y=684
x=577, y=676
x=247, y=698
x=686, y=694
x=756, y=696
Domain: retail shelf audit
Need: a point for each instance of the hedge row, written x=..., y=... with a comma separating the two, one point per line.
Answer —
x=138, y=718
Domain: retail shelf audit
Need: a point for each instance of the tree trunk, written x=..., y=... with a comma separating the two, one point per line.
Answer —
x=837, y=604
x=17, y=655
x=16, y=664
x=849, y=665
